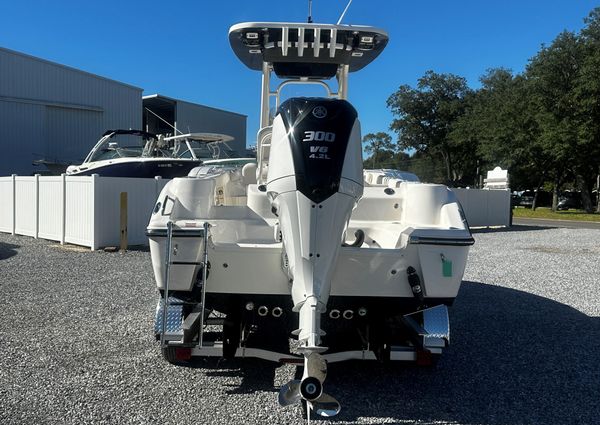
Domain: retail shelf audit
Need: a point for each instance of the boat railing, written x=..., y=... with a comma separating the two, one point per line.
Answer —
x=264, y=148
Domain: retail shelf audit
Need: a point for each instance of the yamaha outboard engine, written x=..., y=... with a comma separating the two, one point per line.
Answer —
x=314, y=181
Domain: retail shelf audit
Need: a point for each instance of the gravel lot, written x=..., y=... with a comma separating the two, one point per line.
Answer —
x=76, y=345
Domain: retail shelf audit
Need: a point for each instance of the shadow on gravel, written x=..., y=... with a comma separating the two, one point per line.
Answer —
x=513, y=228
x=7, y=250
x=140, y=248
x=256, y=375
x=515, y=358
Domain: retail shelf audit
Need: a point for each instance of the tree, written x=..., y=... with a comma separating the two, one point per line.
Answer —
x=500, y=122
x=431, y=170
x=553, y=75
x=425, y=118
x=543, y=125
x=378, y=144
x=587, y=95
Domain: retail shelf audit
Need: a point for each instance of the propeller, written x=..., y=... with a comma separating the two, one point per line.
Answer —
x=290, y=393
x=325, y=405
x=310, y=388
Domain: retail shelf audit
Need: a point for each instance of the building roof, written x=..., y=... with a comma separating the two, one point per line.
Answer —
x=37, y=59
x=160, y=100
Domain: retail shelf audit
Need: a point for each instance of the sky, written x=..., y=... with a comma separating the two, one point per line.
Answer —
x=180, y=48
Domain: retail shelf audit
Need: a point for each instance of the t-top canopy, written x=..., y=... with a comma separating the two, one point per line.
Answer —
x=202, y=137
x=306, y=50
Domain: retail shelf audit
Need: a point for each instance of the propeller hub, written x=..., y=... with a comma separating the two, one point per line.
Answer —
x=311, y=388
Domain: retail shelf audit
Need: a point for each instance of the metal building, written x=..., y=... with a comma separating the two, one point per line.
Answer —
x=54, y=112
x=162, y=115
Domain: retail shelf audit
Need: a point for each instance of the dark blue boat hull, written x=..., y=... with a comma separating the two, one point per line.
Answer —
x=167, y=169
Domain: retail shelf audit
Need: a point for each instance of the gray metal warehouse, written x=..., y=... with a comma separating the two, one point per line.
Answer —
x=54, y=112
x=57, y=113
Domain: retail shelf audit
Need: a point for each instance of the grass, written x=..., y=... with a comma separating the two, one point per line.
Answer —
x=576, y=215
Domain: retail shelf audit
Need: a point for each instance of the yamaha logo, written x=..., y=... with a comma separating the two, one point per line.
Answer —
x=319, y=112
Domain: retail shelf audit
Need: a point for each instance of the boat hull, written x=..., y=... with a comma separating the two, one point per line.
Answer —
x=359, y=272
x=166, y=169
x=403, y=254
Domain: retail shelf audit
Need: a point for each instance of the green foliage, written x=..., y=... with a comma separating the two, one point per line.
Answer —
x=380, y=147
x=429, y=170
x=425, y=118
x=543, y=125
x=383, y=152
x=498, y=125
x=376, y=142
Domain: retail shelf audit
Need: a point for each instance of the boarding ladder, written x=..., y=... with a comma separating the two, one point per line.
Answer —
x=171, y=325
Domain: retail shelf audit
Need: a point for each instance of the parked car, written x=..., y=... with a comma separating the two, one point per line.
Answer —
x=570, y=200
x=525, y=198
x=515, y=199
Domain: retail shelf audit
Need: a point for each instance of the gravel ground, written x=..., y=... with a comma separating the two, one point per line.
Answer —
x=76, y=345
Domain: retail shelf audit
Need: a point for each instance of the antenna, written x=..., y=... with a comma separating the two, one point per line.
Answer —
x=163, y=120
x=310, y=11
x=344, y=12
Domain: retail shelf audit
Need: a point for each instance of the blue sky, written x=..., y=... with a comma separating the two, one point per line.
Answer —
x=180, y=48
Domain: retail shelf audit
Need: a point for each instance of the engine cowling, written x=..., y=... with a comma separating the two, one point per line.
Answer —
x=314, y=180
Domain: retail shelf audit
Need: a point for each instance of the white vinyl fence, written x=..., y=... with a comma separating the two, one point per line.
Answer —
x=86, y=210
x=484, y=207
x=79, y=210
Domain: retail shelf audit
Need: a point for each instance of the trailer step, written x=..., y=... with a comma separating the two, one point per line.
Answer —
x=174, y=323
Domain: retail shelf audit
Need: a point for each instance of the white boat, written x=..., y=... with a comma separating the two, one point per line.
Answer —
x=299, y=244
x=135, y=153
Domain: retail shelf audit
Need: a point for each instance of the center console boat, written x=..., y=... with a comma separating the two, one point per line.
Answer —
x=298, y=258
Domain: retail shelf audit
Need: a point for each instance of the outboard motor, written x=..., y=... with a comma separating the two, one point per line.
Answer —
x=314, y=180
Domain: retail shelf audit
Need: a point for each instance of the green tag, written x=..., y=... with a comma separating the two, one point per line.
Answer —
x=446, y=268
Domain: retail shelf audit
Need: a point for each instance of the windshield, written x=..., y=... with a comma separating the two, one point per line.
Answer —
x=203, y=150
x=125, y=146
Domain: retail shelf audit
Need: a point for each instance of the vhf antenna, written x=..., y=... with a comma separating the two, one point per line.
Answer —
x=344, y=12
x=163, y=120
x=310, y=11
